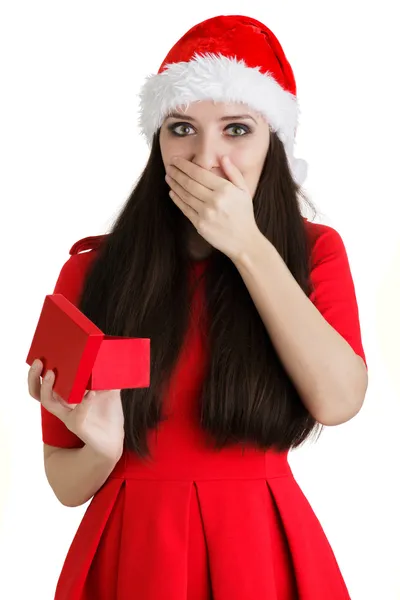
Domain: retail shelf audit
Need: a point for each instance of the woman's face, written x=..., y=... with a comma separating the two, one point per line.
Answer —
x=206, y=131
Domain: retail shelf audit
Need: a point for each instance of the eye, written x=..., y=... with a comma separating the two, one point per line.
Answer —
x=174, y=127
x=237, y=126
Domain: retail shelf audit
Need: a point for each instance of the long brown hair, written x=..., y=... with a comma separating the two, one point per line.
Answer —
x=138, y=287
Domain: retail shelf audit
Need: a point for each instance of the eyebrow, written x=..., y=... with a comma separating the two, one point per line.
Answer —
x=177, y=115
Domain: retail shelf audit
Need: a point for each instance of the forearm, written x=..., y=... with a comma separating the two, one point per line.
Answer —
x=75, y=474
x=329, y=376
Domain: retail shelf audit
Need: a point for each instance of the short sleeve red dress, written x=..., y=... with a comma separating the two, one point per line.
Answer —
x=193, y=523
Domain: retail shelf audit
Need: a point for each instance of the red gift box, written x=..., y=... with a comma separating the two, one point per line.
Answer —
x=82, y=356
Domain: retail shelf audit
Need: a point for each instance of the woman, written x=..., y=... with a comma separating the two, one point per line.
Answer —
x=255, y=344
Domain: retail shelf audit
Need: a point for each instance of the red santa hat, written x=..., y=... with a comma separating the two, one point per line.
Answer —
x=229, y=58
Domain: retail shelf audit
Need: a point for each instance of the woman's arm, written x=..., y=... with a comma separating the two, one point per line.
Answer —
x=329, y=376
x=75, y=474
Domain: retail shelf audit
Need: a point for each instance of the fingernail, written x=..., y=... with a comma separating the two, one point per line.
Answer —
x=48, y=376
x=35, y=364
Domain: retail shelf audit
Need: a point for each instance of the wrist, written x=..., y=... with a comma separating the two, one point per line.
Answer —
x=249, y=254
x=103, y=457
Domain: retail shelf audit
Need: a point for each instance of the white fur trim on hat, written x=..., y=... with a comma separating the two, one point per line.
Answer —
x=222, y=79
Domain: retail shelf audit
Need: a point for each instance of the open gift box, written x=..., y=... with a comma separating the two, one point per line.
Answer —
x=82, y=356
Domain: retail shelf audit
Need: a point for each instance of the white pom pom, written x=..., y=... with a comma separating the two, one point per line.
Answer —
x=299, y=168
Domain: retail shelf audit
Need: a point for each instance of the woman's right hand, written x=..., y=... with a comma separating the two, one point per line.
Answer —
x=98, y=420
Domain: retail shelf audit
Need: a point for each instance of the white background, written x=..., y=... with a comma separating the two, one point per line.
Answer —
x=70, y=154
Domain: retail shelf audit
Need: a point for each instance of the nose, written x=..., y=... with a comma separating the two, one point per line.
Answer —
x=205, y=153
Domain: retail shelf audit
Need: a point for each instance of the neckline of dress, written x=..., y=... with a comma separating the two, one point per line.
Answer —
x=199, y=265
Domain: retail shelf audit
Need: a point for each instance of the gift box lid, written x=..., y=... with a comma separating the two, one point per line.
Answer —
x=66, y=342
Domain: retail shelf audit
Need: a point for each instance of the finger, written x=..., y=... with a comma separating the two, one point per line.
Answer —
x=82, y=408
x=88, y=397
x=233, y=173
x=49, y=401
x=62, y=401
x=34, y=384
x=185, y=185
x=207, y=178
x=192, y=201
x=187, y=210
x=68, y=404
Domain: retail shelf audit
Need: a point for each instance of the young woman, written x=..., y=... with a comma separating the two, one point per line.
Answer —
x=255, y=345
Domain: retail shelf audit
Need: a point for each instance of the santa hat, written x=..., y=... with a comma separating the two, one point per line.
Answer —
x=227, y=59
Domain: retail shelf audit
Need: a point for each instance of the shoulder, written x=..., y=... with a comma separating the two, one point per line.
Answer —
x=324, y=241
x=74, y=271
x=83, y=252
x=328, y=259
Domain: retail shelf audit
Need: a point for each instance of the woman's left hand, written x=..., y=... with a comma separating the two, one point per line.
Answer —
x=221, y=210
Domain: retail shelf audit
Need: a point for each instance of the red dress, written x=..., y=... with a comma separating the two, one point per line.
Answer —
x=194, y=523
